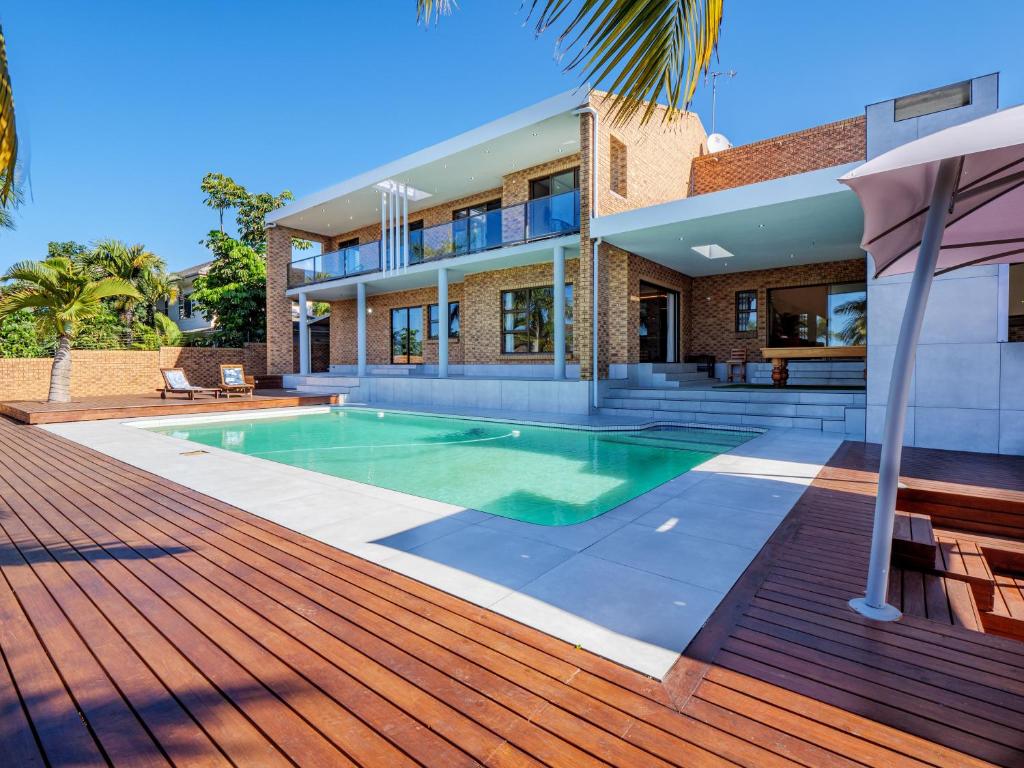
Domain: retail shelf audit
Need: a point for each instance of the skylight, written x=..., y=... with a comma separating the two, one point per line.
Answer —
x=712, y=251
x=390, y=185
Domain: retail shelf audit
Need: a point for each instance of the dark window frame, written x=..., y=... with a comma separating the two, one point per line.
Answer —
x=750, y=311
x=391, y=333
x=431, y=309
x=547, y=177
x=570, y=301
x=769, y=317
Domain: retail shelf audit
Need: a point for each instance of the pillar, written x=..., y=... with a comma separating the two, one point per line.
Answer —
x=360, y=329
x=559, y=311
x=442, y=323
x=303, y=335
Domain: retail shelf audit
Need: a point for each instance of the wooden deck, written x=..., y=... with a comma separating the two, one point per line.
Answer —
x=136, y=406
x=142, y=623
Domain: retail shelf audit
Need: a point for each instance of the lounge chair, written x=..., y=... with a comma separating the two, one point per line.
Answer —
x=176, y=383
x=233, y=381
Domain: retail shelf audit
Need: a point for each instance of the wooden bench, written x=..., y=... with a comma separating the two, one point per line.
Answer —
x=780, y=357
x=913, y=541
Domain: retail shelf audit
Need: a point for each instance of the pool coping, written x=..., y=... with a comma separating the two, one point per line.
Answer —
x=650, y=598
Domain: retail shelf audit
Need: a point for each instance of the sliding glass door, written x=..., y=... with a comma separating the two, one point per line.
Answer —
x=406, y=335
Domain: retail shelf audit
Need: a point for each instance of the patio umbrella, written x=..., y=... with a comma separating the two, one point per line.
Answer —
x=952, y=199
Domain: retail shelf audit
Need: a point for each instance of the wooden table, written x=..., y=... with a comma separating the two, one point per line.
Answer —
x=780, y=357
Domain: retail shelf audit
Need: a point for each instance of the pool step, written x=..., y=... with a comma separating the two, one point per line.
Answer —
x=841, y=412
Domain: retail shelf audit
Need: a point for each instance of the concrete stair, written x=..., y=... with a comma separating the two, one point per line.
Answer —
x=345, y=387
x=840, y=412
x=670, y=375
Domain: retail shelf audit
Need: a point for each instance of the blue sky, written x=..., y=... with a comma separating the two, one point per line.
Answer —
x=123, y=106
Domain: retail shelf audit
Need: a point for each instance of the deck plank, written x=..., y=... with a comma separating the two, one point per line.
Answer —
x=245, y=642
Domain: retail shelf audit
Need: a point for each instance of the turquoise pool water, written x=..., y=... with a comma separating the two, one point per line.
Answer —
x=540, y=475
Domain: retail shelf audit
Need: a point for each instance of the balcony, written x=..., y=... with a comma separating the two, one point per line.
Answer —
x=536, y=219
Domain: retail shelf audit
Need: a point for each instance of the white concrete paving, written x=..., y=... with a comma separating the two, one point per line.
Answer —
x=635, y=584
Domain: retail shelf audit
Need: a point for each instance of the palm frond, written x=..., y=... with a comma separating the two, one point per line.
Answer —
x=19, y=299
x=109, y=287
x=431, y=11
x=8, y=135
x=646, y=51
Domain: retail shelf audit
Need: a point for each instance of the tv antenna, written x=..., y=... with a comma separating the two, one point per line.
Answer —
x=714, y=91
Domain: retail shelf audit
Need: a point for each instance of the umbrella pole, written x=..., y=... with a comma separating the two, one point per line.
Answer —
x=873, y=604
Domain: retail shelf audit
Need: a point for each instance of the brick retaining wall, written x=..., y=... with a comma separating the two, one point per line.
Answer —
x=95, y=373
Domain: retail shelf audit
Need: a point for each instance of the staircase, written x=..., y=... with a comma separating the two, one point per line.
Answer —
x=688, y=399
x=345, y=387
x=670, y=375
x=979, y=547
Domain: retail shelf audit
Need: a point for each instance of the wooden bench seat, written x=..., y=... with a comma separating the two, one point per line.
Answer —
x=964, y=561
x=913, y=541
x=977, y=513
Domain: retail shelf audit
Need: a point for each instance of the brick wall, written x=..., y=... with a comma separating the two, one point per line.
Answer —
x=479, y=297
x=95, y=373
x=657, y=156
x=712, y=313
x=822, y=146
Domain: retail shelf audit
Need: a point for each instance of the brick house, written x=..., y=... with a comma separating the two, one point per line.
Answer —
x=496, y=232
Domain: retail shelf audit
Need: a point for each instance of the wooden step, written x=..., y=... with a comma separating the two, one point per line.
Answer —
x=996, y=514
x=913, y=541
x=1007, y=615
x=964, y=561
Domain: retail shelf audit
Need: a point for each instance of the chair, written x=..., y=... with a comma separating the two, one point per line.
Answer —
x=176, y=383
x=233, y=381
x=737, y=361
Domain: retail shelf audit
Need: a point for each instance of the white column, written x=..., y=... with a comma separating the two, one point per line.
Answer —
x=361, y=329
x=559, y=311
x=385, y=254
x=873, y=604
x=442, y=323
x=303, y=335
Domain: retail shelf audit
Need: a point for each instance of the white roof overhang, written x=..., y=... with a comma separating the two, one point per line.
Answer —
x=467, y=164
x=801, y=219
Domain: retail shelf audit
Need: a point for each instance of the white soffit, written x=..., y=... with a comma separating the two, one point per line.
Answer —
x=467, y=164
x=802, y=219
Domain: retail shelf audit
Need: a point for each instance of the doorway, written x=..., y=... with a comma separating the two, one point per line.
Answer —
x=659, y=323
x=406, y=335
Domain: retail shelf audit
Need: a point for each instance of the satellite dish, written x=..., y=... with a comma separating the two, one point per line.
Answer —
x=717, y=142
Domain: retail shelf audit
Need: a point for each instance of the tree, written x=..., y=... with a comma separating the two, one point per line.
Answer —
x=8, y=135
x=222, y=192
x=62, y=293
x=135, y=265
x=14, y=200
x=19, y=336
x=252, y=213
x=234, y=291
x=647, y=50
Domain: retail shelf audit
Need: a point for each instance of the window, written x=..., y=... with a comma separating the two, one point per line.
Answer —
x=617, y=166
x=935, y=100
x=350, y=243
x=746, y=311
x=818, y=316
x=1016, y=303
x=184, y=307
x=477, y=227
x=407, y=335
x=453, y=321
x=555, y=183
x=527, y=324
x=475, y=210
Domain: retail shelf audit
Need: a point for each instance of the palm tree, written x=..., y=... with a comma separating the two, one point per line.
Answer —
x=131, y=263
x=8, y=136
x=61, y=293
x=647, y=49
x=156, y=287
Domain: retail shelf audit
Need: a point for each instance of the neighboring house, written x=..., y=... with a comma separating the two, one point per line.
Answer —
x=752, y=251
x=185, y=313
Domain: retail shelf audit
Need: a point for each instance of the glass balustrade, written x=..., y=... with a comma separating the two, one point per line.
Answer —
x=533, y=220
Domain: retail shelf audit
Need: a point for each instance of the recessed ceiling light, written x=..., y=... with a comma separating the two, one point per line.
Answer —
x=471, y=178
x=712, y=251
x=760, y=226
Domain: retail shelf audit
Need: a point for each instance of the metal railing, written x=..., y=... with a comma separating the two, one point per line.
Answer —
x=515, y=224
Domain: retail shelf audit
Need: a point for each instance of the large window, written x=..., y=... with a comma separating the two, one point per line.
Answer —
x=818, y=316
x=1016, y=307
x=746, y=311
x=434, y=326
x=528, y=322
x=407, y=335
x=555, y=183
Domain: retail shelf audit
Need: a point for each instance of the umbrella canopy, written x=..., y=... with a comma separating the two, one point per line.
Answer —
x=986, y=224
x=947, y=200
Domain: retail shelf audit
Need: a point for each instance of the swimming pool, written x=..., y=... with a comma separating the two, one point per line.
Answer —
x=543, y=475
